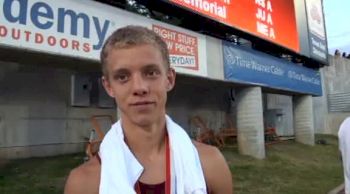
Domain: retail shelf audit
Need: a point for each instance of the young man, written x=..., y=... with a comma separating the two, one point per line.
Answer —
x=146, y=152
x=344, y=147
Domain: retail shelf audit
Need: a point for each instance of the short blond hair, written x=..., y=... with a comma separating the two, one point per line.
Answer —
x=130, y=36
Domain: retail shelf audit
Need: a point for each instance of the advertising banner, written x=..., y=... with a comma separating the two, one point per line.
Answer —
x=317, y=36
x=183, y=48
x=243, y=65
x=79, y=28
x=273, y=20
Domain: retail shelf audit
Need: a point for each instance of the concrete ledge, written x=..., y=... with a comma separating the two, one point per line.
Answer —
x=40, y=150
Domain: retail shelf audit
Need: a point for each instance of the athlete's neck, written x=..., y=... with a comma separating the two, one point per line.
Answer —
x=145, y=140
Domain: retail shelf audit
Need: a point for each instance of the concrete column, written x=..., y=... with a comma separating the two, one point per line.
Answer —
x=303, y=119
x=250, y=125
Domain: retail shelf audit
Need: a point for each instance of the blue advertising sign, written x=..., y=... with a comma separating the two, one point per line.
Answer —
x=245, y=65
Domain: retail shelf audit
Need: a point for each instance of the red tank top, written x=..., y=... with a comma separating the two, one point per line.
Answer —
x=152, y=189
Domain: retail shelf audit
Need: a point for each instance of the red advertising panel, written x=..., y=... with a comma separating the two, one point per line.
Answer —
x=183, y=48
x=273, y=20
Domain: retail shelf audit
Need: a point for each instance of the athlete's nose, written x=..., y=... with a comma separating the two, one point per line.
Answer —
x=140, y=86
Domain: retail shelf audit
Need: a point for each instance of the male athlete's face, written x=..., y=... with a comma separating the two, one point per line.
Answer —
x=138, y=81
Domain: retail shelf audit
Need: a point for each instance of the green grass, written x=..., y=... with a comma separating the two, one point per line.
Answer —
x=289, y=168
x=37, y=175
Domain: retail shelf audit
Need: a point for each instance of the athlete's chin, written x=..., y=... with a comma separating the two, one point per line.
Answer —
x=143, y=119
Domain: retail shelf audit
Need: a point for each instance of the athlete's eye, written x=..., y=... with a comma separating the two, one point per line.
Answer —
x=121, y=77
x=152, y=73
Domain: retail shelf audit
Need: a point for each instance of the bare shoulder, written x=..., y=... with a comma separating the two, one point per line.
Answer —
x=84, y=179
x=210, y=156
x=206, y=150
x=216, y=171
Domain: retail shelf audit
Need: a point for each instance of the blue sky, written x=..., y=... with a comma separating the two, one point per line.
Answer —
x=337, y=17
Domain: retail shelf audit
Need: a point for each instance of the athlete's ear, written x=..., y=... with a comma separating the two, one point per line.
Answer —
x=106, y=84
x=171, y=77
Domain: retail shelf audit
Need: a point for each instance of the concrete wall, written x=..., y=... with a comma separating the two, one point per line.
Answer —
x=195, y=96
x=285, y=103
x=320, y=106
x=36, y=118
x=215, y=64
x=198, y=97
x=336, y=79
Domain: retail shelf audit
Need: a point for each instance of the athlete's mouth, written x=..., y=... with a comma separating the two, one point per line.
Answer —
x=139, y=103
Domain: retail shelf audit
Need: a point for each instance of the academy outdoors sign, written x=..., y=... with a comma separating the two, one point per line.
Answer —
x=39, y=24
x=79, y=28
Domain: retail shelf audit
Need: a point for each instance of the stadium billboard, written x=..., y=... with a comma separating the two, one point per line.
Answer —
x=272, y=20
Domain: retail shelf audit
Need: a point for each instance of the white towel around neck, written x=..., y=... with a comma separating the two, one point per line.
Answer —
x=344, y=147
x=120, y=169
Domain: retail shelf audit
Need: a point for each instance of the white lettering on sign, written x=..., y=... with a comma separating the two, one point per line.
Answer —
x=264, y=23
x=182, y=60
x=261, y=3
x=44, y=17
x=212, y=8
x=183, y=48
x=165, y=34
x=253, y=65
x=302, y=77
x=39, y=39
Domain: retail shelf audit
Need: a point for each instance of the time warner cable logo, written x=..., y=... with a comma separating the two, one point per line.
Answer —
x=55, y=19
